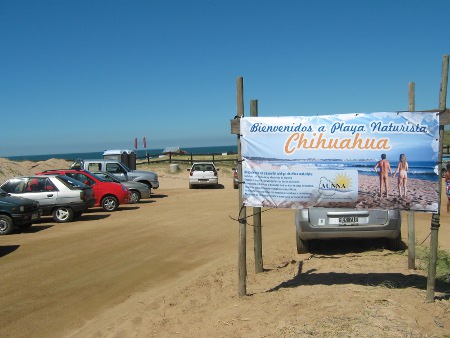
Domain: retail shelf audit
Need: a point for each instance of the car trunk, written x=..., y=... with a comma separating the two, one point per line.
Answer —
x=346, y=217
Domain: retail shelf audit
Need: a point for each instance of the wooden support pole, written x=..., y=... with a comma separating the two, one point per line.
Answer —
x=411, y=216
x=435, y=218
x=242, y=263
x=257, y=231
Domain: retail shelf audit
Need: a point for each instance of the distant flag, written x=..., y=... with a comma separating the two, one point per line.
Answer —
x=135, y=143
x=144, y=140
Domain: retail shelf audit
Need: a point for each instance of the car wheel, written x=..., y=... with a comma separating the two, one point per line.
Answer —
x=6, y=225
x=235, y=186
x=110, y=203
x=395, y=244
x=190, y=186
x=62, y=214
x=302, y=245
x=135, y=196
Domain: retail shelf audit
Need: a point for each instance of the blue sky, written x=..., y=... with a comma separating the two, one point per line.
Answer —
x=90, y=75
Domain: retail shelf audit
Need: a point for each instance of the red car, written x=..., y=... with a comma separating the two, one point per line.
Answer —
x=108, y=195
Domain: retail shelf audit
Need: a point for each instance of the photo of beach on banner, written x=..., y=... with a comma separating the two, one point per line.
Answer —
x=410, y=186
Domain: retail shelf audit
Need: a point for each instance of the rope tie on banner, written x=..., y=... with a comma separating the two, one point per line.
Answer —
x=244, y=219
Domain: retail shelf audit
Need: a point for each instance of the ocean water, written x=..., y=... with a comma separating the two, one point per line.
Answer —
x=139, y=153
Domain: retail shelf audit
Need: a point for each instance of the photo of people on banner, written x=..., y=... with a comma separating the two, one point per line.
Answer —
x=364, y=161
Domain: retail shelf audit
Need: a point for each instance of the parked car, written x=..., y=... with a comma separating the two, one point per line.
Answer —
x=60, y=196
x=235, y=179
x=137, y=190
x=17, y=212
x=203, y=173
x=120, y=170
x=108, y=195
x=331, y=223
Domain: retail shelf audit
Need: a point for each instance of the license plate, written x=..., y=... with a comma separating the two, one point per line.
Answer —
x=203, y=179
x=34, y=216
x=348, y=220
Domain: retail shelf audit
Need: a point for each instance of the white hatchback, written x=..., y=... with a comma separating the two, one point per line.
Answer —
x=203, y=173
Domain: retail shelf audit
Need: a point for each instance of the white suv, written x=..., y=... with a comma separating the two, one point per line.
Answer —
x=203, y=173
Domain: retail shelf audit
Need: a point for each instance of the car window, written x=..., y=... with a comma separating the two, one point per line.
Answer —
x=113, y=168
x=70, y=182
x=15, y=186
x=203, y=167
x=37, y=184
x=94, y=166
x=82, y=178
x=104, y=177
x=49, y=186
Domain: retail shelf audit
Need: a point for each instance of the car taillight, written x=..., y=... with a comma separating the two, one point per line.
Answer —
x=191, y=173
x=215, y=173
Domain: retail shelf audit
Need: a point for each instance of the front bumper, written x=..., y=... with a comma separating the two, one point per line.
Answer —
x=26, y=218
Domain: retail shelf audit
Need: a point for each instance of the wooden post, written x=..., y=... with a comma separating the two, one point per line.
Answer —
x=411, y=216
x=257, y=231
x=242, y=263
x=435, y=218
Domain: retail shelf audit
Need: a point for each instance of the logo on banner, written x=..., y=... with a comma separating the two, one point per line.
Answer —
x=340, y=183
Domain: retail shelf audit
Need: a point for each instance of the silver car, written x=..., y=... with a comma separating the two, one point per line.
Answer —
x=203, y=173
x=331, y=223
x=60, y=196
x=137, y=190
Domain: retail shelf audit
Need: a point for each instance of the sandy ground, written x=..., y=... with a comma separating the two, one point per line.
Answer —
x=167, y=267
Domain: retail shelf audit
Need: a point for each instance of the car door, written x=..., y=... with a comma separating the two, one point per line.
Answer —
x=116, y=170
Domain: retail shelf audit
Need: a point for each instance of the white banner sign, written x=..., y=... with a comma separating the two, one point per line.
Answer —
x=370, y=161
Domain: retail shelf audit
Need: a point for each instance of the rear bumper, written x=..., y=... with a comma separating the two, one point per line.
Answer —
x=390, y=228
x=210, y=181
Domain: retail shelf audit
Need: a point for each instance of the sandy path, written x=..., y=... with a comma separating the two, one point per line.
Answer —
x=167, y=267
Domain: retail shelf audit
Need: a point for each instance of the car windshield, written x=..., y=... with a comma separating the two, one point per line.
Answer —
x=203, y=167
x=96, y=176
x=106, y=177
x=125, y=167
x=70, y=182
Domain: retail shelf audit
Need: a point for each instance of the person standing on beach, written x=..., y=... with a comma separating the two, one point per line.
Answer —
x=402, y=170
x=385, y=169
